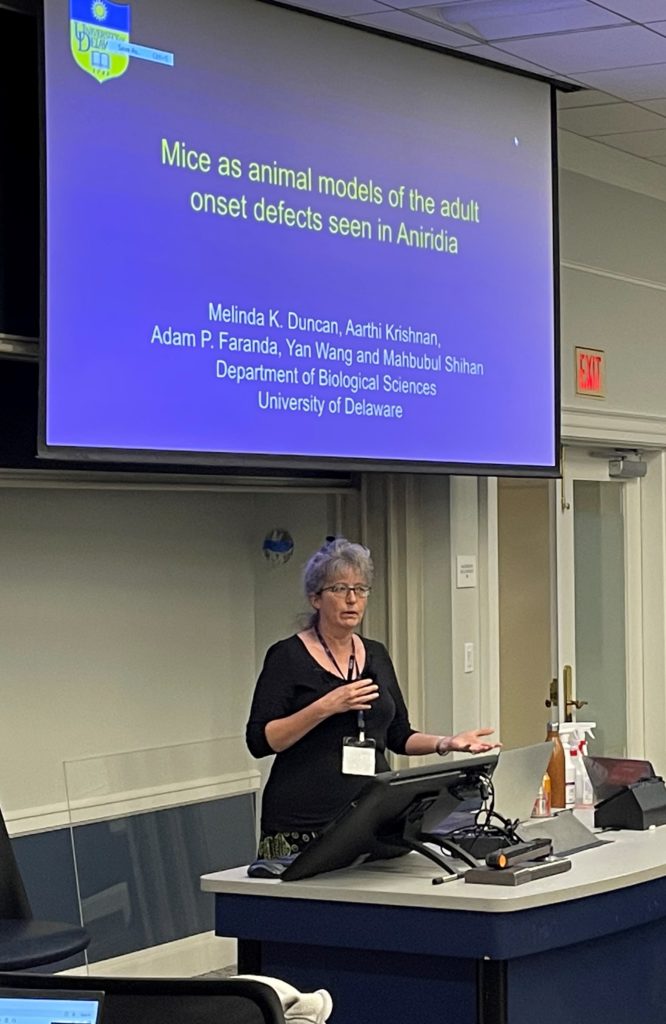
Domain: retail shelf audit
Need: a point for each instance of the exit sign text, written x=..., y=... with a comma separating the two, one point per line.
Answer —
x=590, y=372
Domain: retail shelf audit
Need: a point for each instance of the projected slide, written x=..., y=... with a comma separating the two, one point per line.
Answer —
x=273, y=236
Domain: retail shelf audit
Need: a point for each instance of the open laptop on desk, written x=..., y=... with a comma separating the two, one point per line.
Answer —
x=50, y=1006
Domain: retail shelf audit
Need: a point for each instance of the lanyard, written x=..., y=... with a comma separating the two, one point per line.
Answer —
x=351, y=666
x=351, y=669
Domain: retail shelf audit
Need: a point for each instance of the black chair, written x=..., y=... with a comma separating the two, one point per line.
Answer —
x=24, y=941
x=158, y=1000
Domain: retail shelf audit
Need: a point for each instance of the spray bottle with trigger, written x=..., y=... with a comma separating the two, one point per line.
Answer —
x=584, y=791
x=573, y=733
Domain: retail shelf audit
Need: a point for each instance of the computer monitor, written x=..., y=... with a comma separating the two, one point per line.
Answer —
x=385, y=818
x=37, y=1006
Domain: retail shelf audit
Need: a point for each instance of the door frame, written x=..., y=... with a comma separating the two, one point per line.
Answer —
x=578, y=464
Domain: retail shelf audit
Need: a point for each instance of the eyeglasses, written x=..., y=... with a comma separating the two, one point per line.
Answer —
x=343, y=589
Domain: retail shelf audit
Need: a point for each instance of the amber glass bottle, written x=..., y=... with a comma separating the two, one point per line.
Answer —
x=556, y=767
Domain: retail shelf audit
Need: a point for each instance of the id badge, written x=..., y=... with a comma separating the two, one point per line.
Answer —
x=358, y=756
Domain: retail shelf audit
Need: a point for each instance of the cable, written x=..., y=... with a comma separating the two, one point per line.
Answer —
x=488, y=823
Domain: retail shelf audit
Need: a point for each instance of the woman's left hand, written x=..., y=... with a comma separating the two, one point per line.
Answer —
x=472, y=741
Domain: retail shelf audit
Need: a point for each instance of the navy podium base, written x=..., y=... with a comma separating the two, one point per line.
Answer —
x=600, y=958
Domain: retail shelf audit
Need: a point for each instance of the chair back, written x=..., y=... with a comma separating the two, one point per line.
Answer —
x=156, y=1000
x=14, y=903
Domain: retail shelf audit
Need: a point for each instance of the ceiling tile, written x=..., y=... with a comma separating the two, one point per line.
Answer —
x=594, y=50
x=584, y=98
x=415, y=28
x=403, y=5
x=484, y=51
x=635, y=10
x=659, y=106
x=340, y=8
x=609, y=118
x=640, y=143
x=642, y=83
x=490, y=20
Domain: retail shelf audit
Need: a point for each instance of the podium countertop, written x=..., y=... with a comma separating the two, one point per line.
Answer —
x=630, y=858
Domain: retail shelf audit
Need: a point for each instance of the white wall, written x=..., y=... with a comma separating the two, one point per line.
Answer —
x=136, y=619
x=437, y=604
x=280, y=605
x=613, y=278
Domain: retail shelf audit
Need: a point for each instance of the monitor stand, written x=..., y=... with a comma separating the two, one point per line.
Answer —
x=419, y=845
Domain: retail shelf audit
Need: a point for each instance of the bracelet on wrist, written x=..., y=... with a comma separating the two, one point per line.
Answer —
x=442, y=745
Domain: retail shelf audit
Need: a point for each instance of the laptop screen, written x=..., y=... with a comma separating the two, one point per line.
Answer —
x=610, y=775
x=32, y=1006
x=517, y=779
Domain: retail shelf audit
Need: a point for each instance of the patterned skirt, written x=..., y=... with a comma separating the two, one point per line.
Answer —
x=283, y=844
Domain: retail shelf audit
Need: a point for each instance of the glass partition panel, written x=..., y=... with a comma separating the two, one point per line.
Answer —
x=146, y=824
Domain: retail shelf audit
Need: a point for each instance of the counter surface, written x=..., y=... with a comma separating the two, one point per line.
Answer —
x=630, y=858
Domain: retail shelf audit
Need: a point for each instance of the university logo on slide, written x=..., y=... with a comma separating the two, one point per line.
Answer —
x=99, y=33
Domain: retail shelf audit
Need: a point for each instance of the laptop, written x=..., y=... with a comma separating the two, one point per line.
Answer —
x=517, y=779
x=50, y=1006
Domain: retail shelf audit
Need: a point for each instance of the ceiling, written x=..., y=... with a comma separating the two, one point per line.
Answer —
x=614, y=49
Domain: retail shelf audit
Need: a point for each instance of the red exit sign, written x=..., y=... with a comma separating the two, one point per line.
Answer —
x=591, y=372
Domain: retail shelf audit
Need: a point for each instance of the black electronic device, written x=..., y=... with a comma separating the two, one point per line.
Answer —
x=528, y=871
x=479, y=844
x=628, y=794
x=535, y=849
x=638, y=806
x=611, y=775
x=385, y=818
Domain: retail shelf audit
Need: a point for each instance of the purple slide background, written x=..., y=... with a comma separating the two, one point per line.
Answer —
x=125, y=251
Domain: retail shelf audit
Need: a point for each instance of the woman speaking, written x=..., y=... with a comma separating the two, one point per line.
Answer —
x=328, y=704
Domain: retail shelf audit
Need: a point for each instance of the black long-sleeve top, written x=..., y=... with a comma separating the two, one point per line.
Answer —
x=306, y=788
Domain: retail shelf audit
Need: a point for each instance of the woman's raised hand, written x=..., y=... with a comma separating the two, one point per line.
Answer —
x=472, y=741
x=356, y=696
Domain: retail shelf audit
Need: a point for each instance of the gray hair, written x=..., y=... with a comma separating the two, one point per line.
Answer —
x=336, y=556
